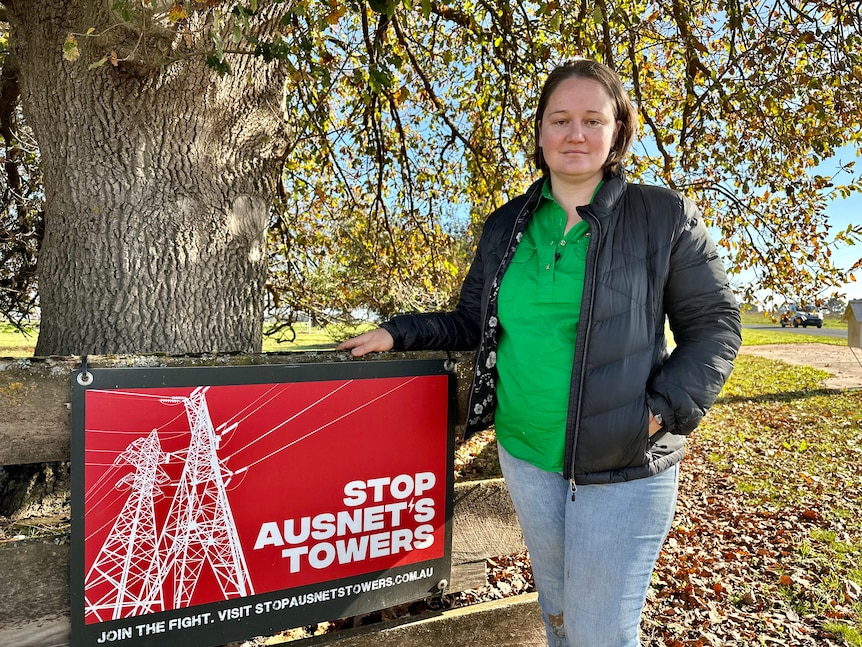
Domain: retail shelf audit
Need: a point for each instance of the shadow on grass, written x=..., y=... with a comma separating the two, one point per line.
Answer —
x=779, y=396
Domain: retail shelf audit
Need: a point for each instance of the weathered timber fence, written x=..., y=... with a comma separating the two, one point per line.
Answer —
x=34, y=574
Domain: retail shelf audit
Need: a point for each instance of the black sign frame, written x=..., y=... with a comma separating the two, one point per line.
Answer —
x=215, y=623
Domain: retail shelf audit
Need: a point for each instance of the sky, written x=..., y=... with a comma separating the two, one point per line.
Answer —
x=843, y=213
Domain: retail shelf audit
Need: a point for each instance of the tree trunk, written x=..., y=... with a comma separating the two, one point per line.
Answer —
x=158, y=183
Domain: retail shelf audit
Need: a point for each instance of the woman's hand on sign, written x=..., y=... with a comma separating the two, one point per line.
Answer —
x=374, y=341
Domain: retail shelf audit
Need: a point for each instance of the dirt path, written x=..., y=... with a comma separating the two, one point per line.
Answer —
x=843, y=362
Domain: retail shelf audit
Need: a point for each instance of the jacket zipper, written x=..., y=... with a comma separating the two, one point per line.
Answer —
x=583, y=342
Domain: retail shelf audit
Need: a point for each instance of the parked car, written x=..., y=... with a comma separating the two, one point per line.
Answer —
x=804, y=316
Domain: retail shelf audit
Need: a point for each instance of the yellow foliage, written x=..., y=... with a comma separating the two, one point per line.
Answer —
x=177, y=12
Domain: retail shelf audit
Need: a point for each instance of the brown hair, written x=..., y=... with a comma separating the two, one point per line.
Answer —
x=624, y=110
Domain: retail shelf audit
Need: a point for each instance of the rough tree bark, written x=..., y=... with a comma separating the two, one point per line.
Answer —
x=158, y=180
x=158, y=174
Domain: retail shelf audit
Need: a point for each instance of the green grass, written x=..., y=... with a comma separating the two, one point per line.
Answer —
x=754, y=337
x=792, y=451
x=16, y=344
x=13, y=343
x=310, y=338
x=770, y=502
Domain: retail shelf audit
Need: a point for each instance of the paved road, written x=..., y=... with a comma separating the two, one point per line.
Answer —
x=826, y=331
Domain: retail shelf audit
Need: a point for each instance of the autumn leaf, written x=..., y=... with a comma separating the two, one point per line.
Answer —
x=70, y=49
x=177, y=13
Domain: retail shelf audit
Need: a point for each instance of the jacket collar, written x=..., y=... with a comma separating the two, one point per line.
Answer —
x=534, y=194
x=610, y=193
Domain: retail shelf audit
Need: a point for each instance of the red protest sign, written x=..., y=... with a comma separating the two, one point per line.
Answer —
x=222, y=497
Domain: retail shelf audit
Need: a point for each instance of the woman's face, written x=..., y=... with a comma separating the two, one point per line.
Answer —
x=577, y=131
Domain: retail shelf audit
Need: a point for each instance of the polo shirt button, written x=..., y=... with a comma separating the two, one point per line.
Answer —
x=562, y=243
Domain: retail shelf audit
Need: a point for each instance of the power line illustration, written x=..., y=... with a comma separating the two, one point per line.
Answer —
x=200, y=528
x=136, y=561
x=127, y=571
x=151, y=561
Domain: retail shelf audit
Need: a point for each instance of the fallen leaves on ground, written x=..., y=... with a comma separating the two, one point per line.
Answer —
x=766, y=542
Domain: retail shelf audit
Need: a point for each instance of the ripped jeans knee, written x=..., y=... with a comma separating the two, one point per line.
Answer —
x=556, y=630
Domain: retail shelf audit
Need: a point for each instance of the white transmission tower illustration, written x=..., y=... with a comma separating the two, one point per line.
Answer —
x=200, y=528
x=126, y=573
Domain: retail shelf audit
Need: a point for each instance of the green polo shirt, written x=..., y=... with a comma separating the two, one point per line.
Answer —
x=538, y=309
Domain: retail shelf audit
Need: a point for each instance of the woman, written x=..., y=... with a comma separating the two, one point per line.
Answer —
x=566, y=301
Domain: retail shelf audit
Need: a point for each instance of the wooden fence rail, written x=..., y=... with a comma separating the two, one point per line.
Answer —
x=34, y=574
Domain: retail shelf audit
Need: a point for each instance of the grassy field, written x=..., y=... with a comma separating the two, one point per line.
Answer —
x=766, y=546
x=14, y=343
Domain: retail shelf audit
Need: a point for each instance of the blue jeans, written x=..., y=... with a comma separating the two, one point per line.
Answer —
x=592, y=557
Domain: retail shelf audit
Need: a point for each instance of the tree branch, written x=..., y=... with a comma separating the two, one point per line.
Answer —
x=9, y=93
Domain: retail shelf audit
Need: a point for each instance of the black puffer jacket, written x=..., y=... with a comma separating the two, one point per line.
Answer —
x=650, y=256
